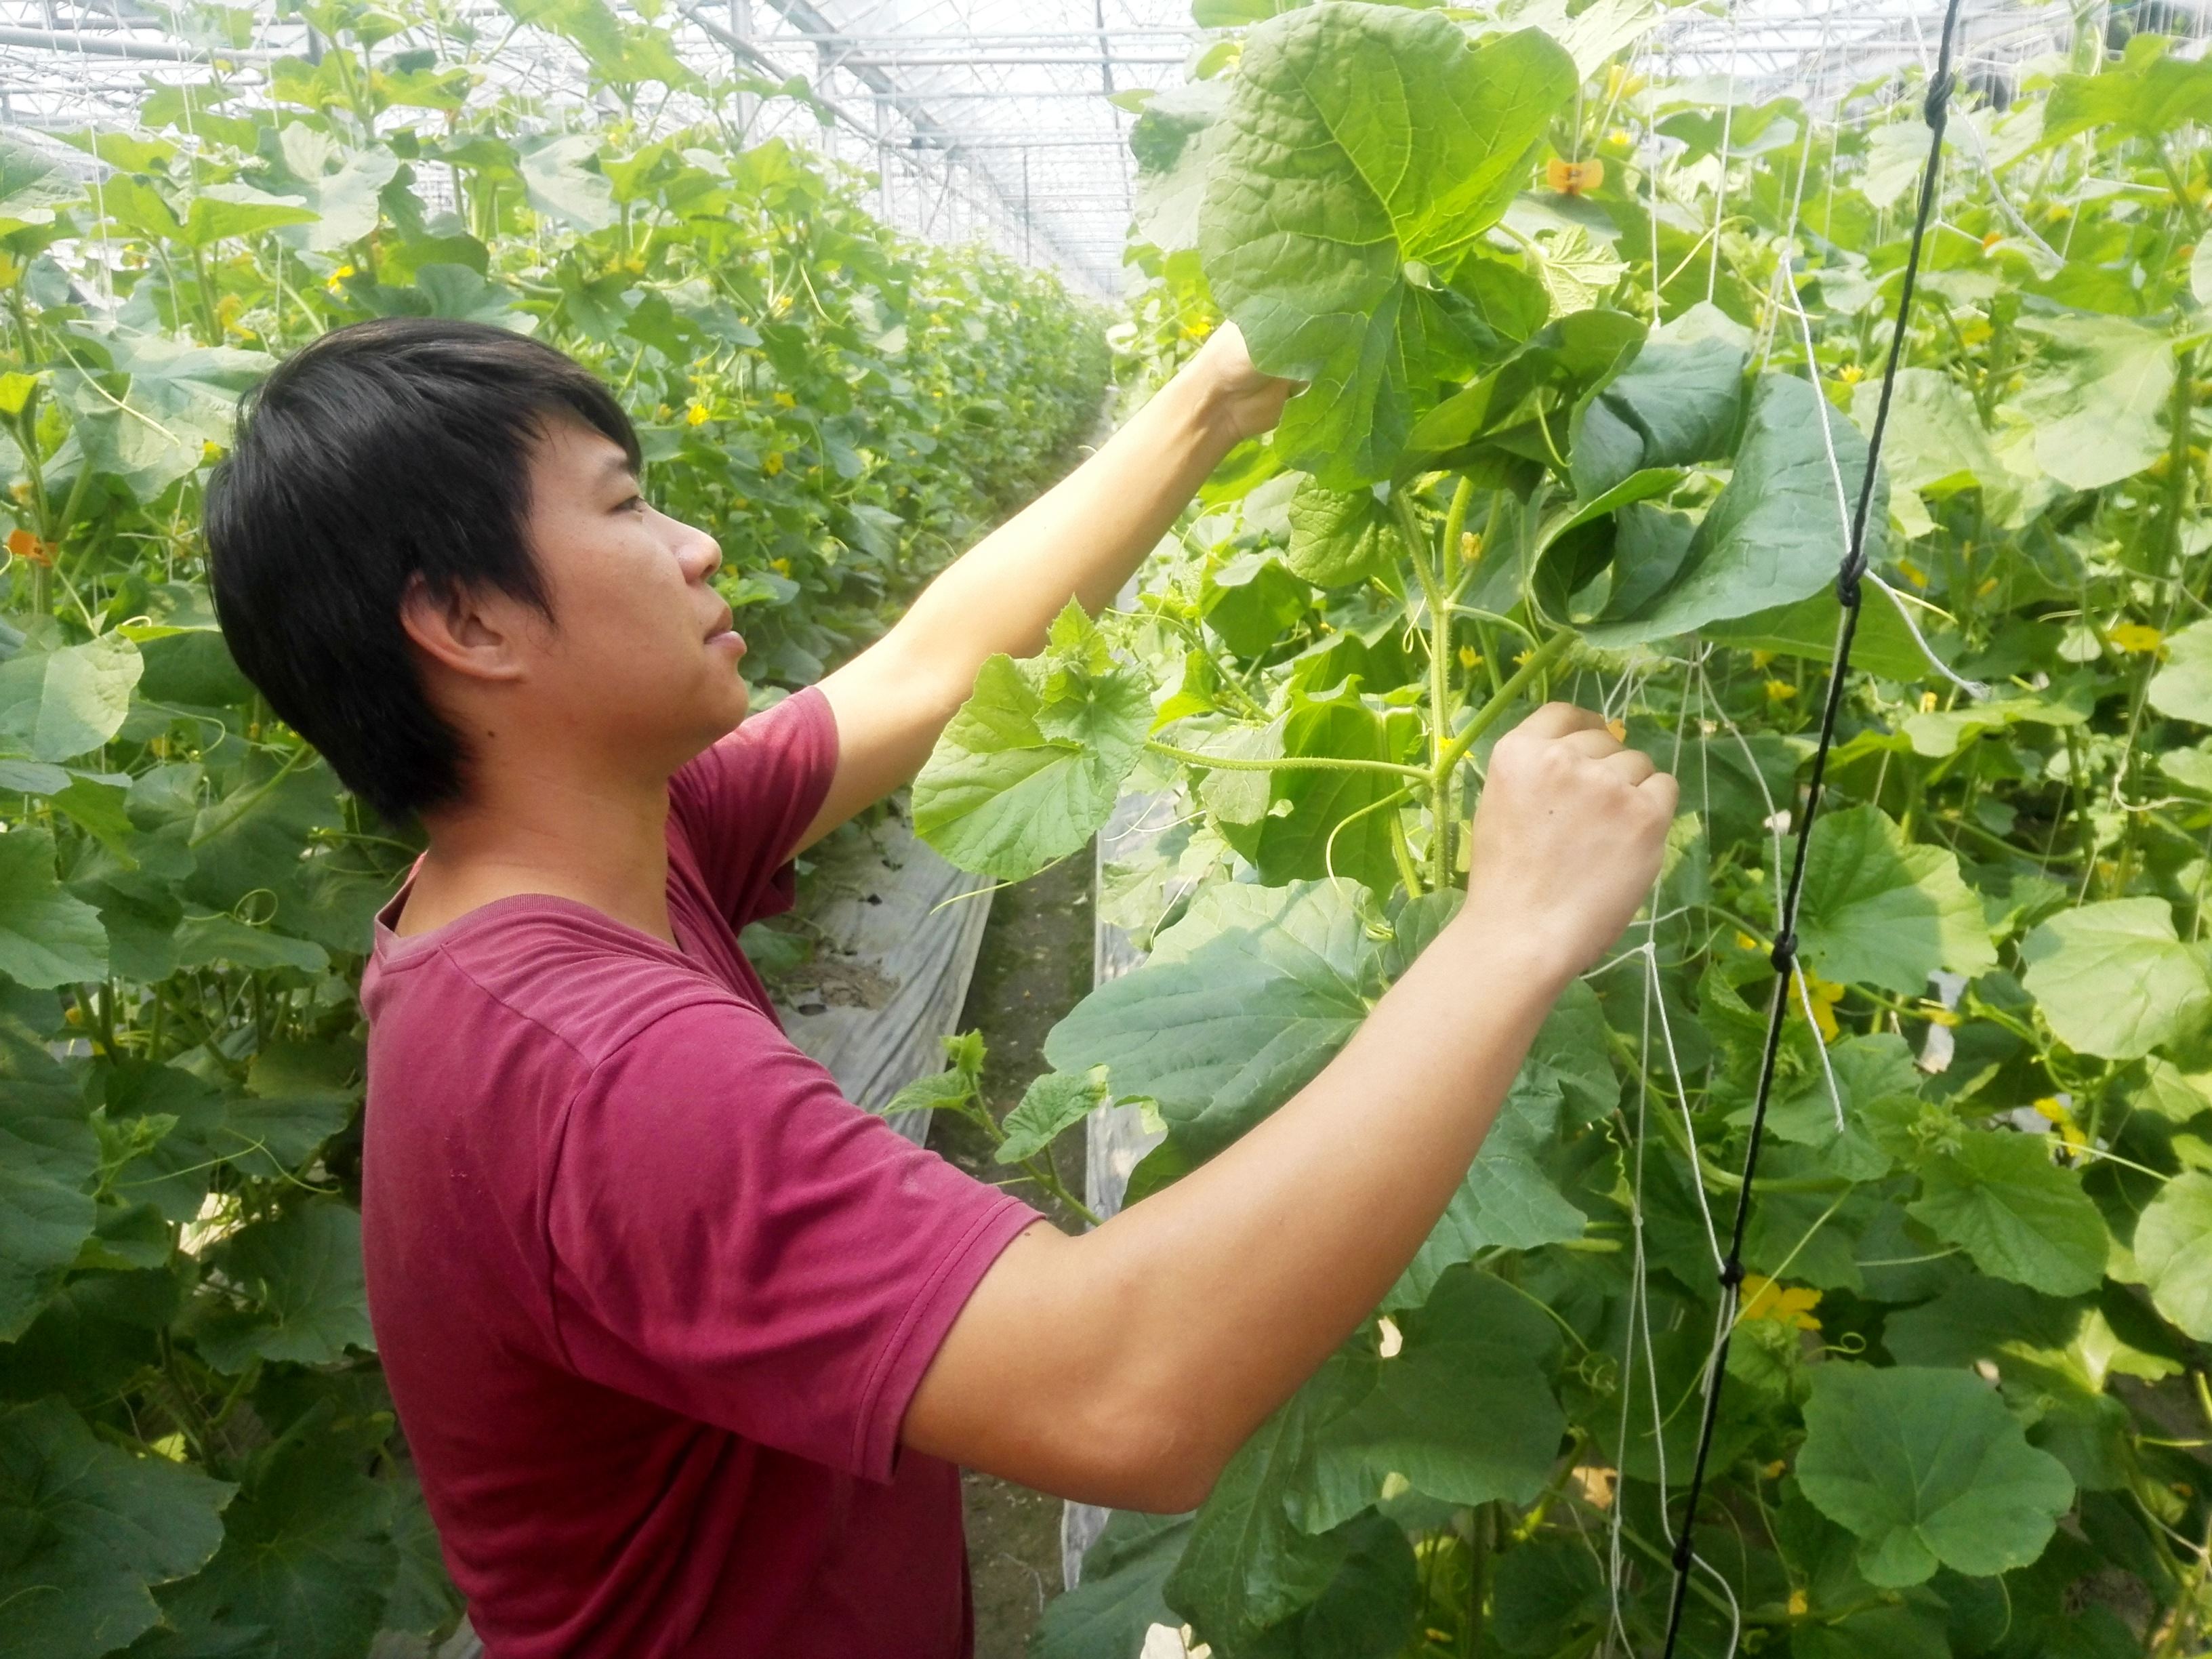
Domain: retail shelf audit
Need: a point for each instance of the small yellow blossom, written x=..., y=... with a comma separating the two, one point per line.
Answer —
x=1785, y=1305
x=1469, y=657
x=1851, y=374
x=1745, y=942
x=1912, y=573
x=1470, y=545
x=1776, y=1470
x=698, y=415
x=1825, y=996
x=2060, y=1116
x=1760, y=659
x=1927, y=703
x=1799, y=1607
x=1780, y=691
x=785, y=400
x=2137, y=639
x=1989, y=586
x=1521, y=658
x=774, y=464
x=781, y=566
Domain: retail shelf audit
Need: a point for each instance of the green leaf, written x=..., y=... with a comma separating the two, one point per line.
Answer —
x=58, y=704
x=1776, y=534
x=49, y=1155
x=1881, y=646
x=1248, y=600
x=1249, y=1564
x=1242, y=1002
x=298, y=1096
x=1052, y=1103
x=1934, y=444
x=1029, y=769
x=560, y=185
x=1122, y=1596
x=307, y=1552
x=1464, y=1411
x=47, y=937
x=2019, y=1215
x=1871, y=1072
x=180, y=397
x=1338, y=538
x=1879, y=910
x=2114, y=980
x=1928, y=1469
x=2182, y=685
x=1675, y=403
x=2174, y=1252
x=2148, y=94
x=2098, y=409
x=302, y=1272
x=31, y=188
x=221, y=211
x=90, y=1528
x=1336, y=824
x=1364, y=151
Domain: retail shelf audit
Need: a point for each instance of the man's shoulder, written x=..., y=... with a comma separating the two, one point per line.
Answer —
x=545, y=972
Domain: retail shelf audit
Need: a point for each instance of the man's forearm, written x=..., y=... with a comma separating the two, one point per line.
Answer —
x=1082, y=540
x=1166, y=1336
x=1248, y=1273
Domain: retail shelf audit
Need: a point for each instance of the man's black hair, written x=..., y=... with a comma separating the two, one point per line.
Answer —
x=383, y=451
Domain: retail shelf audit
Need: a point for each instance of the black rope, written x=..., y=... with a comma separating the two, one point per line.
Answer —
x=1936, y=110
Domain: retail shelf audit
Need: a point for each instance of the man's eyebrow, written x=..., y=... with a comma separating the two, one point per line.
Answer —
x=618, y=467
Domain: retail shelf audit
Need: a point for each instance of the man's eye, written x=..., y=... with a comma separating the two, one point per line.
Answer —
x=635, y=504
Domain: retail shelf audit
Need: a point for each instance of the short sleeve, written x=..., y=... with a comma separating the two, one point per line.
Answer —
x=733, y=1240
x=741, y=806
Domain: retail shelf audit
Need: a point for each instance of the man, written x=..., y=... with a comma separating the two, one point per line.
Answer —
x=686, y=1347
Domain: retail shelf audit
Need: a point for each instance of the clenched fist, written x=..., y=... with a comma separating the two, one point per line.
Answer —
x=1568, y=836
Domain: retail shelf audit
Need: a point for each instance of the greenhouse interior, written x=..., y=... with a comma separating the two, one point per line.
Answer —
x=1455, y=902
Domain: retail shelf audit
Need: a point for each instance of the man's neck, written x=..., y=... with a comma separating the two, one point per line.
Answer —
x=598, y=843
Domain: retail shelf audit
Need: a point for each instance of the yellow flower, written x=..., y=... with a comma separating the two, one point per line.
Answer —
x=1850, y=374
x=1975, y=332
x=1825, y=994
x=774, y=464
x=1912, y=573
x=1760, y=659
x=781, y=566
x=1765, y=1299
x=1618, y=136
x=1745, y=942
x=1780, y=691
x=1521, y=658
x=1470, y=545
x=1989, y=586
x=1927, y=703
x=2137, y=638
x=2060, y=1116
x=698, y=415
x=785, y=400
x=1799, y=1607
x=1469, y=657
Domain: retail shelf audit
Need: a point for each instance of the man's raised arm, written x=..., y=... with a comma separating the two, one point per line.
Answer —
x=1082, y=540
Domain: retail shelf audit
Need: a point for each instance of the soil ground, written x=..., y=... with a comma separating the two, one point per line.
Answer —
x=1034, y=967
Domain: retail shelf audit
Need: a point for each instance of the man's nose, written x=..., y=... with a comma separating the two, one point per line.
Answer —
x=700, y=553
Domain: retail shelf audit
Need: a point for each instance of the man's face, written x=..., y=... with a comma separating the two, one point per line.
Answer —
x=641, y=662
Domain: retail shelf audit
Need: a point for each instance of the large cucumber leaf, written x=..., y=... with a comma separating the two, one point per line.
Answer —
x=1928, y=1469
x=1775, y=535
x=1364, y=150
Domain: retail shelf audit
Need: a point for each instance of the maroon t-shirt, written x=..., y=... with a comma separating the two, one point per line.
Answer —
x=651, y=1297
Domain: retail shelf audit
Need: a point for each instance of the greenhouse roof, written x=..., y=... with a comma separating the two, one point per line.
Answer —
x=1006, y=119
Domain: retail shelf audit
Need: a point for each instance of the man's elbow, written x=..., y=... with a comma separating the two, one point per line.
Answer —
x=1161, y=1461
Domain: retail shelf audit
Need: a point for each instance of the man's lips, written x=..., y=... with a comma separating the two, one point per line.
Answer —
x=723, y=635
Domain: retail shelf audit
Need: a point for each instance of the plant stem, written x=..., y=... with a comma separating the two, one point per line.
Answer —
x=1487, y=716
x=1286, y=762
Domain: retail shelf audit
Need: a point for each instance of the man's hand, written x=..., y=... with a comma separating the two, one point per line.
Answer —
x=1569, y=835
x=1081, y=540
x=1244, y=402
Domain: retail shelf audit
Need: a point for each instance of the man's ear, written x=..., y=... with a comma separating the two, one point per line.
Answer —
x=470, y=632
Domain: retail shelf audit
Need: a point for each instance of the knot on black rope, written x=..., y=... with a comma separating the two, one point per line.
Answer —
x=1784, y=954
x=1732, y=1272
x=1933, y=107
x=1847, y=584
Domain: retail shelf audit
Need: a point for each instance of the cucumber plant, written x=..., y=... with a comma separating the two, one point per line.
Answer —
x=1600, y=441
